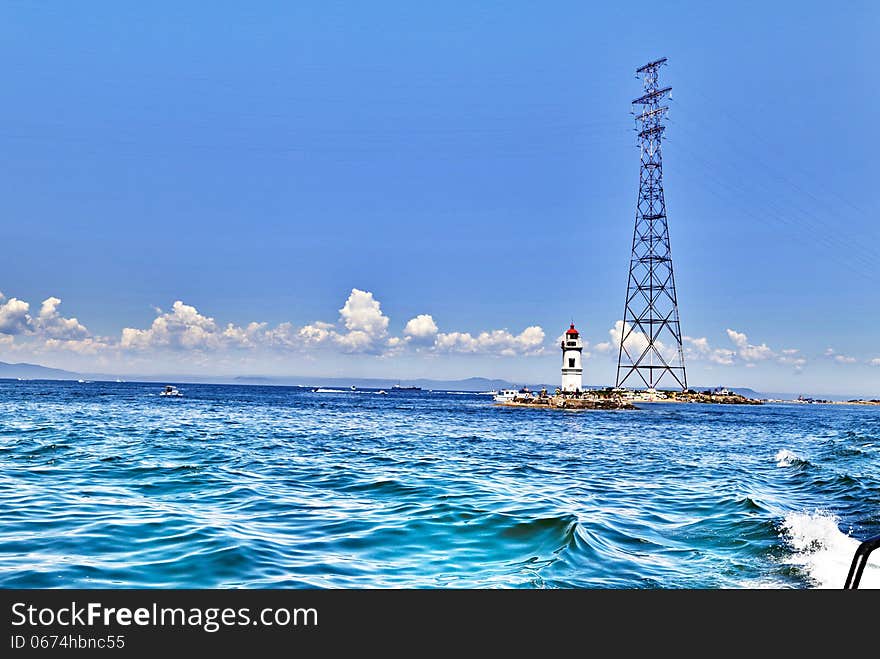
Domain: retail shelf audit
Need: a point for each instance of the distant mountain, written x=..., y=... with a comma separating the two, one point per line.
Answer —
x=469, y=384
x=35, y=372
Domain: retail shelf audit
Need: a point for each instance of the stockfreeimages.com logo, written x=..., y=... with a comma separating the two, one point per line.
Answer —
x=211, y=619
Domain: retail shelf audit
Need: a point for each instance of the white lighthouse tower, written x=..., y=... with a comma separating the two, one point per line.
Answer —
x=572, y=370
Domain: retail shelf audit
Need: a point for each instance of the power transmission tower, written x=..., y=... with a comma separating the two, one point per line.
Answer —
x=650, y=339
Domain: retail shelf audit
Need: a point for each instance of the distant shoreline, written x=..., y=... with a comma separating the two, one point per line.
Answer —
x=33, y=372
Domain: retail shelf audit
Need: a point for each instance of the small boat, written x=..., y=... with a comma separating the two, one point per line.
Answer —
x=170, y=391
x=506, y=395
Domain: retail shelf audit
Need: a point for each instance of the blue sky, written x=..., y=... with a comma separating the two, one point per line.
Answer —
x=470, y=162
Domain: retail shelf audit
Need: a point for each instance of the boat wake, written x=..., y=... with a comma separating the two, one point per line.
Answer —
x=823, y=551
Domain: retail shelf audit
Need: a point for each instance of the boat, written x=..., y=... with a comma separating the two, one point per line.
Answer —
x=397, y=387
x=353, y=388
x=506, y=395
x=170, y=392
x=859, y=561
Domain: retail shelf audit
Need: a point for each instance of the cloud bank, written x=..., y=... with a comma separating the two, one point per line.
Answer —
x=361, y=328
x=742, y=352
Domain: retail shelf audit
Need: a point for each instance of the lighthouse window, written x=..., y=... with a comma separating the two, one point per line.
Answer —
x=571, y=362
x=571, y=343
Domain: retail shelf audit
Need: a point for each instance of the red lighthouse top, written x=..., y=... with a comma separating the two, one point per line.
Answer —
x=571, y=331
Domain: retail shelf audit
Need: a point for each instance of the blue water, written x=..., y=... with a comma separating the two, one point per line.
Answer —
x=109, y=485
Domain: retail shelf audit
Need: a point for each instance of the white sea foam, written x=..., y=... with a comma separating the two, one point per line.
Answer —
x=786, y=458
x=824, y=551
x=348, y=391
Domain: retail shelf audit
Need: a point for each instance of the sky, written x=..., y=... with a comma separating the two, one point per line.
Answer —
x=405, y=190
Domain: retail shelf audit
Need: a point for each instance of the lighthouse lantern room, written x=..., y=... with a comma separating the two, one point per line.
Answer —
x=572, y=369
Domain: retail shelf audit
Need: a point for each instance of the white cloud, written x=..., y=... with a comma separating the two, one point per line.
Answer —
x=831, y=353
x=14, y=317
x=362, y=327
x=497, y=342
x=362, y=313
x=699, y=348
x=363, y=318
x=85, y=346
x=791, y=357
x=358, y=341
x=395, y=344
x=738, y=338
x=282, y=336
x=316, y=333
x=750, y=353
x=637, y=341
x=53, y=325
x=49, y=330
x=421, y=329
x=875, y=361
x=456, y=342
x=246, y=337
x=185, y=328
x=722, y=356
x=181, y=328
x=747, y=351
x=701, y=345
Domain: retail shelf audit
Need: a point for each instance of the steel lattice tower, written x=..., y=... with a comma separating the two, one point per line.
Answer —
x=650, y=343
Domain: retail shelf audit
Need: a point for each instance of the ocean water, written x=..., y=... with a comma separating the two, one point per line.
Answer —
x=110, y=485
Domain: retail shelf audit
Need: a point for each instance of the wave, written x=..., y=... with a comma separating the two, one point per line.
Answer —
x=786, y=458
x=823, y=551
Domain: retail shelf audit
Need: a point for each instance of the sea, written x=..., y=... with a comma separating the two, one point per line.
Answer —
x=109, y=485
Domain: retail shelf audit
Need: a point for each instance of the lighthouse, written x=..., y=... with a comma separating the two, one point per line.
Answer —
x=572, y=370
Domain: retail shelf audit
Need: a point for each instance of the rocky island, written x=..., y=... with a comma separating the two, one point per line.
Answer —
x=618, y=399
